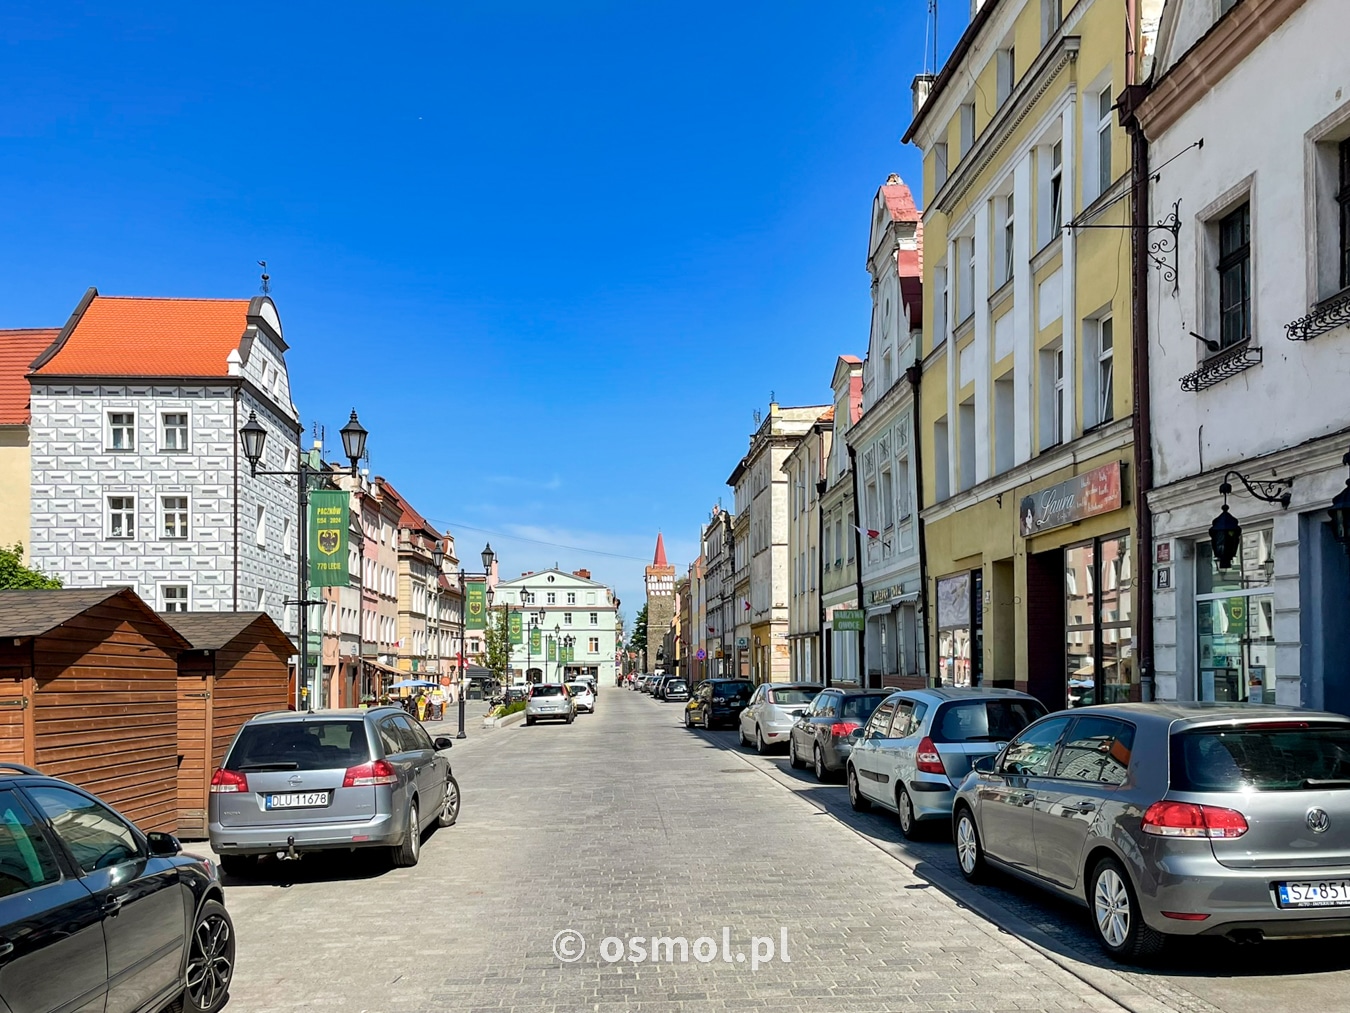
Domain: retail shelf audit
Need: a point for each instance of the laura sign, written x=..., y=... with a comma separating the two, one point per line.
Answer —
x=1086, y=495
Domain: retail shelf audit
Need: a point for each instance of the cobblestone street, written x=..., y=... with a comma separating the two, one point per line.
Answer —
x=624, y=825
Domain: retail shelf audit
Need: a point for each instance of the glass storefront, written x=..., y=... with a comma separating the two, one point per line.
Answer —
x=1098, y=619
x=960, y=615
x=1234, y=621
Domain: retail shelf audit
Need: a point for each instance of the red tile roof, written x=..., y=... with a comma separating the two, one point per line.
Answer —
x=132, y=336
x=408, y=517
x=899, y=200
x=828, y=415
x=18, y=349
x=660, y=558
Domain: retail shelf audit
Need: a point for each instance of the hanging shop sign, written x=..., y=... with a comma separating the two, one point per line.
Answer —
x=953, y=602
x=848, y=620
x=1094, y=492
x=328, y=566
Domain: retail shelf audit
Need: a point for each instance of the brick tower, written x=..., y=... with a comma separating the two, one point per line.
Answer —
x=660, y=583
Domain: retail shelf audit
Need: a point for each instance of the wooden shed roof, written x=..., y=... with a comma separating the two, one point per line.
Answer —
x=35, y=612
x=211, y=631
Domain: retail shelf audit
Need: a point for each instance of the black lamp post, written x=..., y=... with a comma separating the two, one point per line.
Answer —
x=1340, y=511
x=488, y=557
x=253, y=436
x=1225, y=534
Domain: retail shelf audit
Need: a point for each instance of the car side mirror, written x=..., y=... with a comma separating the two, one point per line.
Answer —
x=442, y=743
x=986, y=765
x=162, y=845
x=856, y=735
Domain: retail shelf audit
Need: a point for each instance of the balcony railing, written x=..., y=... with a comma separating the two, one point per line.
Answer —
x=1222, y=365
x=1326, y=316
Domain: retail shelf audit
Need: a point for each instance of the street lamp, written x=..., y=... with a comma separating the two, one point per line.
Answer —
x=1225, y=534
x=488, y=557
x=1340, y=511
x=253, y=436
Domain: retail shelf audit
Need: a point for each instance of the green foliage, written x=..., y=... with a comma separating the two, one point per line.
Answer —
x=13, y=574
x=497, y=643
x=511, y=708
x=638, y=641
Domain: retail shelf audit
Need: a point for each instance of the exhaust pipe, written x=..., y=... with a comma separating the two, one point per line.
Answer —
x=1247, y=937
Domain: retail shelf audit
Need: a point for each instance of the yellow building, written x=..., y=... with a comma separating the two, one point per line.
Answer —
x=1026, y=400
x=18, y=349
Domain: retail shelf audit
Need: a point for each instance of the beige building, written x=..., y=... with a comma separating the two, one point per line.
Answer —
x=762, y=500
x=805, y=471
x=18, y=349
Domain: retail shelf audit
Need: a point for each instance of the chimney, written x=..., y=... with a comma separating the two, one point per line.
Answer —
x=583, y=574
x=923, y=84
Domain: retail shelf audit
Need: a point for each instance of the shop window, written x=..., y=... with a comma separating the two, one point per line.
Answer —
x=960, y=617
x=1234, y=621
x=1099, y=625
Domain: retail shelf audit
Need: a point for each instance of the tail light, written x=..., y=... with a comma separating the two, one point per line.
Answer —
x=225, y=781
x=376, y=772
x=1186, y=819
x=843, y=729
x=927, y=759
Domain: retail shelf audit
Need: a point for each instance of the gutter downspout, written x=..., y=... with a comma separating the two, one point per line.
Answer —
x=914, y=374
x=235, y=443
x=1141, y=422
x=820, y=584
x=858, y=556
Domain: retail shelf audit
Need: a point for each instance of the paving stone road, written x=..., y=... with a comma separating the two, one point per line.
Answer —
x=626, y=825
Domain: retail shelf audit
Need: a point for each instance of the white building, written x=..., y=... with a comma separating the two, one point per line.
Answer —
x=839, y=532
x=554, y=606
x=805, y=470
x=1262, y=279
x=881, y=445
x=138, y=477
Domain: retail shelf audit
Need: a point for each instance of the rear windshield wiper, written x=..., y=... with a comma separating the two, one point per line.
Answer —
x=284, y=765
x=1325, y=782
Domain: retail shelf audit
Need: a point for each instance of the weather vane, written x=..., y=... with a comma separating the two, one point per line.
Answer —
x=266, y=278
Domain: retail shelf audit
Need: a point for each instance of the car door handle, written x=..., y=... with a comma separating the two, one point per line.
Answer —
x=1026, y=798
x=113, y=903
x=1085, y=807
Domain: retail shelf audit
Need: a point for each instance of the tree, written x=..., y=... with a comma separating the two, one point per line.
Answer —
x=13, y=574
x=638, y=641
x=497, y=644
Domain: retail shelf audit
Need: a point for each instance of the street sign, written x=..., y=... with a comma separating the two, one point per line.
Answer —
x=701, y=654
x=846, y=620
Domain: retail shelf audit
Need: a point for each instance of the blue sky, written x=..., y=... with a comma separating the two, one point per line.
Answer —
x=555, y=254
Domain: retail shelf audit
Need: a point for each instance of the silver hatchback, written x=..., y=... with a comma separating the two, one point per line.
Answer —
x=1172, y=819
x=550, y=701
x=296, y=782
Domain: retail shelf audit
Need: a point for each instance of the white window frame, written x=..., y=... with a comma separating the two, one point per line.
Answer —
x=164, y=602
x=128, y=429
x=1007, y=74
x=967, y=125
x=260, y=526
x=185, y=429
x=125, y=512
x=288, y=538
x=595, y=618
x=1009, y=238
x=1055, y=194
x=940, y=165
x=1103, y=140
x=185, y=514
x=1106, y=369
x=571, y=597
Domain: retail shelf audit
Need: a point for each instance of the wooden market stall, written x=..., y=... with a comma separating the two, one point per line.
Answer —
x=234, y=668
x=88, y=692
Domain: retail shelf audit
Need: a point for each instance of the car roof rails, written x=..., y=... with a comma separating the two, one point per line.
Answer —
x=21, y=768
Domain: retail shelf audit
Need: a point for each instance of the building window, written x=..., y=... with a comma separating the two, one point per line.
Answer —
x=967, y=126
x=960, y=623
x=593, y=645
x=1008, y=236
x=595, y=618
x=173, y=598
x=173, y=517
x=571, y=597
x=1051, y=18
x=260, y=526
x=1235, y=276
x=121, y=516
x=1098, y=612
x=1007, y=74
x=1106, y=367
x=941, y=461
x=567, y=618
x=1104, y=175
x=939, y=165
x=887, y=499
x=1343, y=209
x=262, y=599
x=551, y=598
x=175, y=431
x=288, y=538
x=1052, y=396
x=121, y=431
x=1234, y=621
x=1056, y=188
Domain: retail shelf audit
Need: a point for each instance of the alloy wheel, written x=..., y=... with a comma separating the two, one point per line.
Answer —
x=759, y=740
x=1111, y=908
x=904, y=808
x=450, y=803
x=819, y=759
x=210, y=960
x=967, y=844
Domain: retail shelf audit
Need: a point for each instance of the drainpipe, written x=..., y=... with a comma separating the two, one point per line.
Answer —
x=820, y=582
x=914, y=374
x=235, y=444
x=1141, y=425
x=858, y=555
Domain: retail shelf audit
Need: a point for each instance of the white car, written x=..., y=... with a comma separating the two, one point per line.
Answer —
x=583, y=696
x=773, y=708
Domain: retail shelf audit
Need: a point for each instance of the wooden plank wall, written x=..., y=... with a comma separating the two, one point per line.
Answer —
x=250, y=678
x=13, y=690
x=105, y=711
x=195, y=681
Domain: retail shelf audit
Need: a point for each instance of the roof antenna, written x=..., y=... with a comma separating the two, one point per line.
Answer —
x=266, y=278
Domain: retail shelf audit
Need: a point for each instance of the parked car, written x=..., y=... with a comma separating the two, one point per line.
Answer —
x=1172, y=818
x=550, y=701
x=675, y=690
x=659, y=686
x=296, y=782
x=583, y=696
x=89, y=903
x=822, y=731
x=920, y=744
x=717, y=701
x=767, y=719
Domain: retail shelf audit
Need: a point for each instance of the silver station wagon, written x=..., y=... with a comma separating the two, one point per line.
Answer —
x=296, y=782
x=1172, y=819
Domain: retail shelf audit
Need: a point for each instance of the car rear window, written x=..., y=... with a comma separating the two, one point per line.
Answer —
x=299, y=745
x=792, y=697
x=1279, y=756
x=860, y=708
x=730, y=689
x=677, y=684
x=984, y=720
x=546, y=691
x=578, y=687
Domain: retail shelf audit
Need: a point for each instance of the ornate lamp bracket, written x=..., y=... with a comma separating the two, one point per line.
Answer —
x=1276, y=490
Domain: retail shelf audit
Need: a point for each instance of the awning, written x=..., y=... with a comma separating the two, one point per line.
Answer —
x=890, y=604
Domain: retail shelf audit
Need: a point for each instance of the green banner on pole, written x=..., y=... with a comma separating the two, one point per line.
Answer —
x=328, y=538
x=513, y=625
x=536, y=640
x=475, y=607
x=552, y=650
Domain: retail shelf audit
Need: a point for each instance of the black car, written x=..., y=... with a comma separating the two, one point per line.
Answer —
x=95, y=914
x=675, y=690
x=717, y=701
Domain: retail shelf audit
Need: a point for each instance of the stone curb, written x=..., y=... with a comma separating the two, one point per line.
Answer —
x=510, y=719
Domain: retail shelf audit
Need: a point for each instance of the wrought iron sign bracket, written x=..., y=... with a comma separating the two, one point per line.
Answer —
x=1161, y=250
x=1276, y=490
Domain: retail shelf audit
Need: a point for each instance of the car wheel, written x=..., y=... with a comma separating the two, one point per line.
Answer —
x=855, y=795
x=687, y=722
x=740, y=734
x=792, y=753
x=571, y=718
x=904, y=809
x=1115, y=914
x=238, y=866
x=969, y=850
x=529, y=721
x=210, y=963
x=409, y=851
x=760, y=747
x=818, y=761
x=707, y=722
x=449, y=803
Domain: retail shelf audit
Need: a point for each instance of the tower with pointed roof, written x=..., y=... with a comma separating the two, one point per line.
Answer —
x=660, y=583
